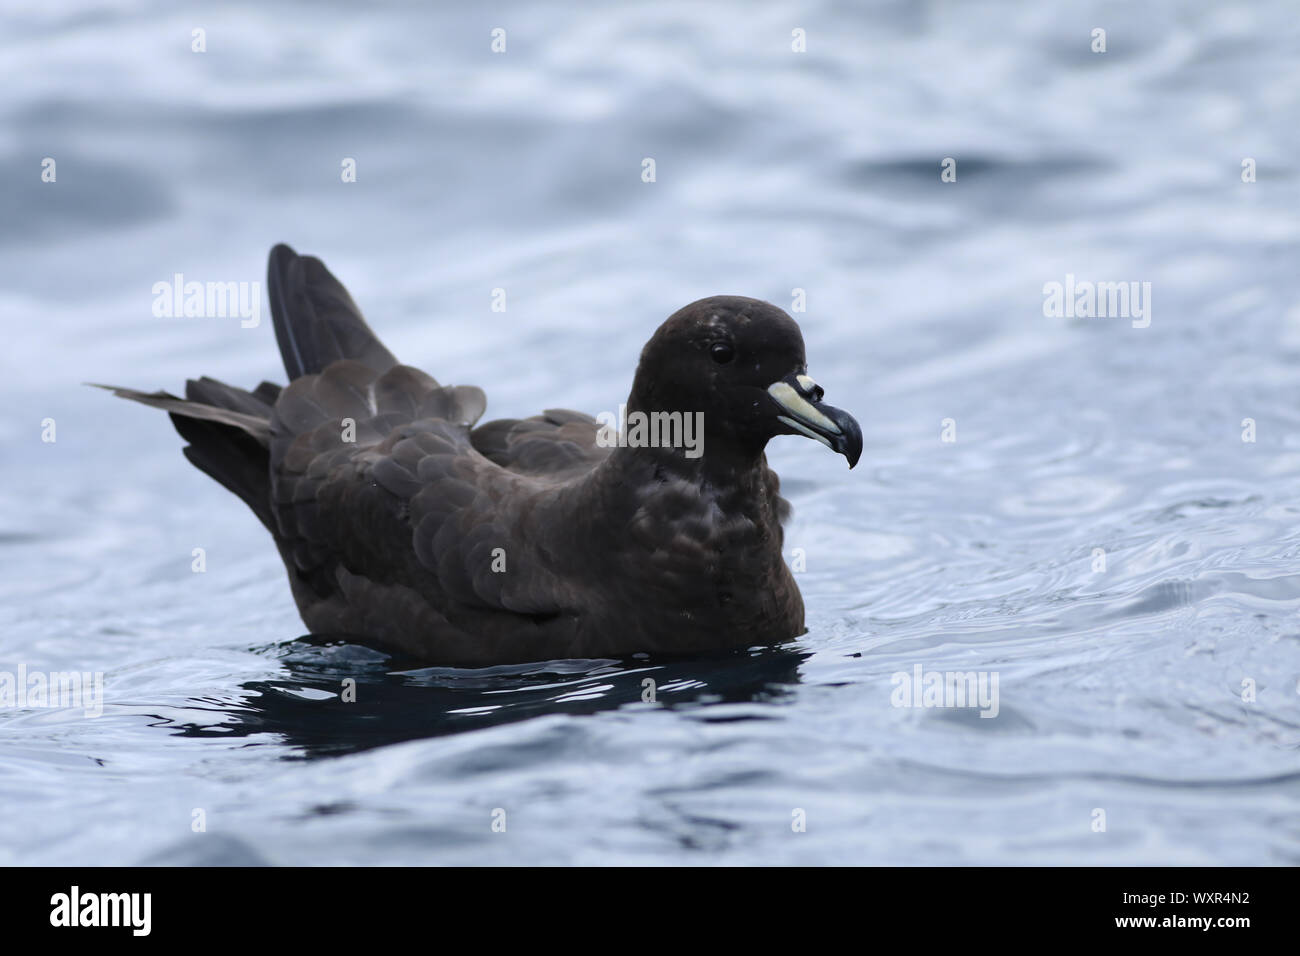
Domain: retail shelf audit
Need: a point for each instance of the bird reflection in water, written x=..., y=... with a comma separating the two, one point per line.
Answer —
x=339, y=698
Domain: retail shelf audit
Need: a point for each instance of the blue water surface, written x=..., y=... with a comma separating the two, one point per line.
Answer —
x=1148, y=709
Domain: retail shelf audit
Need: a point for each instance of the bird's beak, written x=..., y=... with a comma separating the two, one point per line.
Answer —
x=804, y=413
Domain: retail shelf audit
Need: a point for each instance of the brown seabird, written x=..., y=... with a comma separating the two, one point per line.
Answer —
x=405, y=525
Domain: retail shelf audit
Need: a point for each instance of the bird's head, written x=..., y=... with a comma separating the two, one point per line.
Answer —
x=740, y=362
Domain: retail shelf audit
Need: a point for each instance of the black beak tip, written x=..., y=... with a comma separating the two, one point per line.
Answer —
x=850, y=439
x=853, y=452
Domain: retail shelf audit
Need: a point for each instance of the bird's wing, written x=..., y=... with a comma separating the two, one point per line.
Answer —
x=316, y=322
x=376, y=485
x=558, y=443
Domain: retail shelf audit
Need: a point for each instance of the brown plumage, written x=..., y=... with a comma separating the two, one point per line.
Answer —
x=515, y=540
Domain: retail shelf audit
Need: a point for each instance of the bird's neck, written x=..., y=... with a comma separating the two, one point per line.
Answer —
x=733, y=484
x=716, y=468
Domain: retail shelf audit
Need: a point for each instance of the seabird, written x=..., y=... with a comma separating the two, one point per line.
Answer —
x=406, y=525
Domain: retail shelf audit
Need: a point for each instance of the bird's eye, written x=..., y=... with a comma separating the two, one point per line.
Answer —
x=722, y=353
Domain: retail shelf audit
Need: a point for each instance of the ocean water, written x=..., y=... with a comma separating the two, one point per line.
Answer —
x=1112, y=532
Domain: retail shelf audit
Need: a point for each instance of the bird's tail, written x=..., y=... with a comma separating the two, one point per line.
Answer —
x=228, y=428
x=316, y=321
x=229, y=434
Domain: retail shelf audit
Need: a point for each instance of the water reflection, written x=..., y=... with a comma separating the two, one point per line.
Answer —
x=391, y=703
